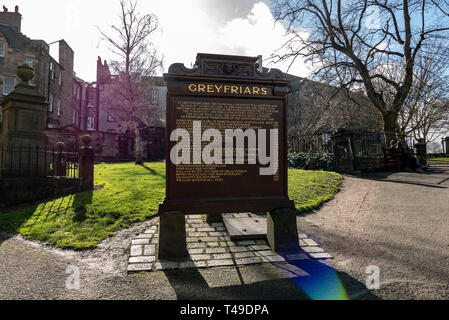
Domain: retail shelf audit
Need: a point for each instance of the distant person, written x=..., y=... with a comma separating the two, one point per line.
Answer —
x=419, y=162
x=394, y=147
x=407, y=158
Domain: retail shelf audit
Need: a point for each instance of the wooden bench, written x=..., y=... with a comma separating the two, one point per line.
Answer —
x=392, y=159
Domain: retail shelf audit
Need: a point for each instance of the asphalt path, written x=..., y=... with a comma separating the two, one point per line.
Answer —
x=397, y=222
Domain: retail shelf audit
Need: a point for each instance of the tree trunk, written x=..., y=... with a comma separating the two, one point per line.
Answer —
x=391, y=125
x=391, y=121
x=137, y=148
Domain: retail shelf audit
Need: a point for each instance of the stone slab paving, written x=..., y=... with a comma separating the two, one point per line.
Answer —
x=210, y=246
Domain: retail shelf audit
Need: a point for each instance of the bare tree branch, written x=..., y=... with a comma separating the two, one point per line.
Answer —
x=380, y=58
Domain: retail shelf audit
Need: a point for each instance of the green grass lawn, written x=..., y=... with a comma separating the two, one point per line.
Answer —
x=130, y=194
x=438, y=159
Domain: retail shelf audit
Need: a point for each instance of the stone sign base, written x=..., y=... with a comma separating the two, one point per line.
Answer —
x=246, y=226
x=172, y=236
x=282, y=232
x=209, y=246
x=214, y=218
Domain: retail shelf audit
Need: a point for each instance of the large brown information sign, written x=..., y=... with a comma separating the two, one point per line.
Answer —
x=226, y=138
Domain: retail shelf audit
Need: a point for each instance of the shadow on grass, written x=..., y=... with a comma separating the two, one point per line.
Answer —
x=292, y=280
x=152, y=171
x=12, y=220
x=80, y=202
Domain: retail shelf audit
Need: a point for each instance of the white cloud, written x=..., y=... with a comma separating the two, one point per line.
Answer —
x=259, y=34
x=187, y=28
x=194, y=31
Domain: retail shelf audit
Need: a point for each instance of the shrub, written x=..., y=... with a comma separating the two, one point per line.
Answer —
x=311, y=160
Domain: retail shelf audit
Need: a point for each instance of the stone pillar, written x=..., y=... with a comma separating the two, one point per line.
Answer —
x=214, y=218
x=282, y=232
x=172, y=236
x=86, y=164
x=59, y=168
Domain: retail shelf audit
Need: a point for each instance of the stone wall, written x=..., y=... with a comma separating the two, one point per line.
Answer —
x=369, y=164
x=22, y=190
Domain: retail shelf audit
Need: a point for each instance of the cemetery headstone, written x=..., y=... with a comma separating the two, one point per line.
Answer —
x=23, y=127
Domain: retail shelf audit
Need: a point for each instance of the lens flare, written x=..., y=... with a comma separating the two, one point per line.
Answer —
x=319, y=280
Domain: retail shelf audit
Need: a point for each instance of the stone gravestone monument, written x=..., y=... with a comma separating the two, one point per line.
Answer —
x=24, y=120
x=343, y=142
x=226, y=149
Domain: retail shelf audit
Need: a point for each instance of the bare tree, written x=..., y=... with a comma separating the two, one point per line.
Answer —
x=426, y=109
x=354, y=49
x=131, y=41
x=317, y=107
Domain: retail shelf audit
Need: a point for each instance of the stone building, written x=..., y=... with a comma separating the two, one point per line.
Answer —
x=54, y=79
x=17, y=49
x=113, y=137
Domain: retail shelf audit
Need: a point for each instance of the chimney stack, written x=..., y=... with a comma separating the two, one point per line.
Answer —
x=12, y=19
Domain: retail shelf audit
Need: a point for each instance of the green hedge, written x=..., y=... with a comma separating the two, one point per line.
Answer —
x=311, y=160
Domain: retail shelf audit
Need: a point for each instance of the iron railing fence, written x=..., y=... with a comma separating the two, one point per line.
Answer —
x=370, y=143
x=367, y=143
x=37, y=161
x=319, y=142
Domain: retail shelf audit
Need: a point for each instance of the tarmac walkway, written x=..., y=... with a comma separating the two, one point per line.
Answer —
x=397, y=222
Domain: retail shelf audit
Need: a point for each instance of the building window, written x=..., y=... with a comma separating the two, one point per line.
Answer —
x=9, y=84
x=91, y=99
x=155, y=97
x=30, y=62
x=111, y=117
x=90, y=123
x=2, y=49
x=75, y=116
x=52, y=70
x=76, y=92
x=146, y=97
x=58, y=107
x=50, y=105
x=60, y=77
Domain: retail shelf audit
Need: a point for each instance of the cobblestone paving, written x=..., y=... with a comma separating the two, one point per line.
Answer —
x=209, y=246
